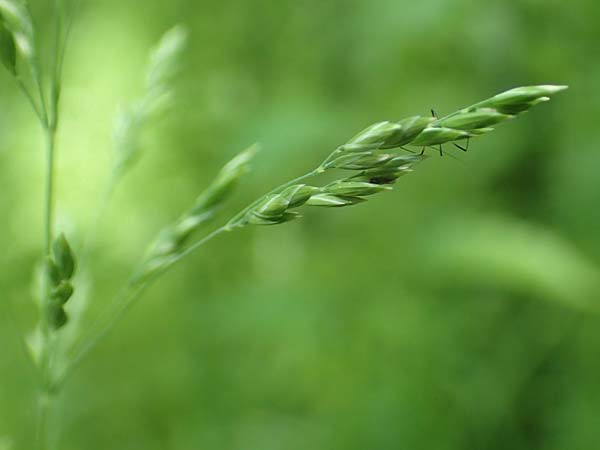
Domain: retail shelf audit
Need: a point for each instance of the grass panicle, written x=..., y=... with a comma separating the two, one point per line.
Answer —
x=173, y=239
x=378, y=155
x=130, y=122
x=60, y=267
x=366, y=165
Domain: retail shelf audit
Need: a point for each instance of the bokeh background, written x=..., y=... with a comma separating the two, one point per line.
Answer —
x=459, y=311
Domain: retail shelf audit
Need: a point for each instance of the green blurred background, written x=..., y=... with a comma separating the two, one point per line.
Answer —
x=459, y=311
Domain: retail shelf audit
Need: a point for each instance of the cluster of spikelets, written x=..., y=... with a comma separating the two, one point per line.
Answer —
x=375, y=158
x=60, y=267
x=373, y=154
x=16, y=34
x=372, y=162
x=174, y=238
x=375, y=173
x=155, y=100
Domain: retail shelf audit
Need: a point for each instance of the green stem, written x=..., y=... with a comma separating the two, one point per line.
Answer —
x=45, y=400
x=123, y=303
x=47, y=351
x=49, y=194
x=139, y=282
x=237, y=220
x=48, y=114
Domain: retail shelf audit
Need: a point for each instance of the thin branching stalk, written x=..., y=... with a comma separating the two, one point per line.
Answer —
x=376, y=171
x=368, y=164
x=139, y=282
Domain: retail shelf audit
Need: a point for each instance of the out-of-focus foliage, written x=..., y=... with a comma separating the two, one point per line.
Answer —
x=460, y=311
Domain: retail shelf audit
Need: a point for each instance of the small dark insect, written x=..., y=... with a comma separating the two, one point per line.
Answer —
x=464, y=149
x=382, y=180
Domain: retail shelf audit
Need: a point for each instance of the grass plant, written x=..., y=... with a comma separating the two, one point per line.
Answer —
x=368, y=164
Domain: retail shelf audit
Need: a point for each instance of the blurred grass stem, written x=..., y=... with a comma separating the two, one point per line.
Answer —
x=139, y=282
x=48, y=115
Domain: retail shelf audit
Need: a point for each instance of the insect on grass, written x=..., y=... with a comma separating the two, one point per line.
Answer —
x=367, y=165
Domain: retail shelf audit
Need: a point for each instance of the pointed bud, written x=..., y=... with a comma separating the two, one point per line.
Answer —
x=273, y=205
x=329, y=200
x=359, y=161
x=522, y=98
x=8, y=49
x=298, y=194
x=438, y=135
x=225, y=181
x=480, y=118
x=410, y=128
x=358, y=148
x=354, y=188
x=62, y=293
x=15, y=16
x=257, y=219
x=63, y=257
x=56, y=317
x=377, y=133
x=54, y=275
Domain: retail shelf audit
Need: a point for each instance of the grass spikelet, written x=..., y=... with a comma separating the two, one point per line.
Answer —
x=16, y=19
x=366, y=165
x=173, y=239
x=130, y=122
x=378, y=170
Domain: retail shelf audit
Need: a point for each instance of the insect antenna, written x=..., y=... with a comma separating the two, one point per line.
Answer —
x=433, y=114
x=464, y=149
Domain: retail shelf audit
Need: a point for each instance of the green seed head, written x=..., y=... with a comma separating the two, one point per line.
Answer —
x=54, y=275
x=376, y=134
x=298, y=194
x=438, y=135
x=480, y=118
x=63, y=257
x=56, y=316
x=522, y=98
x=359, y=148
x=15, y=18
x=226, y=180
x=345, y=188
x=409, y=129
x=273, y=205
x=360, y=161
x=62, y=293
x=8, y=49
x=335, y=201
x=257, y=219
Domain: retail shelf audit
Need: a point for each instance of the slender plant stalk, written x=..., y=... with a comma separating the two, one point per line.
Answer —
x=45, y=401
x=138, y=284
x=48, y=115
x=362, y=153
x=373, y=156
x=244, y=211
